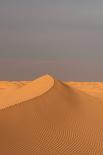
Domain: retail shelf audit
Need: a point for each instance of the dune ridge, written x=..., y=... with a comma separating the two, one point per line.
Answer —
x=62, y=120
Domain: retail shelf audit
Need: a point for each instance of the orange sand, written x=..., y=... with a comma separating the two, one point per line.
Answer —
x=50, y=117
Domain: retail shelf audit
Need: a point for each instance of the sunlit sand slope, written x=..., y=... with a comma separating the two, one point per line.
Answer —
x=15, y=92
x=60, y=121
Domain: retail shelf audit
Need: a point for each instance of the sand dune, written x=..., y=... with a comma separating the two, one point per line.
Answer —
x=51, y=117
x=92, y=88
x=17, y=92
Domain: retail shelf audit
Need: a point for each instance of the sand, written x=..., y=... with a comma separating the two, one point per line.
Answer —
x=50, y=117
x=12, y=93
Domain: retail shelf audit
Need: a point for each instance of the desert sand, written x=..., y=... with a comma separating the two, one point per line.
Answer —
x=50, y=117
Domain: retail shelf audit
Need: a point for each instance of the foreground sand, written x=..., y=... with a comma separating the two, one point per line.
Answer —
x=47, y=116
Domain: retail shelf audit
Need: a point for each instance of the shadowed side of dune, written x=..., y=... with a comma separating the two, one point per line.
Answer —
x=60, y=121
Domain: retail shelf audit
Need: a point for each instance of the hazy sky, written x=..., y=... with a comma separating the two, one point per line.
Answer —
x=60, y=37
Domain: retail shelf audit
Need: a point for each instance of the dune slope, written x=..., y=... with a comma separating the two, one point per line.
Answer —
x=16, y=92
x=62, y=120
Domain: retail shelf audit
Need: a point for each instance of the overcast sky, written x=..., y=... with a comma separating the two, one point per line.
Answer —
x=63, y=38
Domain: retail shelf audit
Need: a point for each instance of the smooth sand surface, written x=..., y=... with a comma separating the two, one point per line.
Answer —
x=51, y=118
x=16, y=92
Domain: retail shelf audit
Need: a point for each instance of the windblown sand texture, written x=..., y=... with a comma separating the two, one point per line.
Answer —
x=50, y=117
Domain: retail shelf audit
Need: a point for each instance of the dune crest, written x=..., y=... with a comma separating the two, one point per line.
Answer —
x=17, y=92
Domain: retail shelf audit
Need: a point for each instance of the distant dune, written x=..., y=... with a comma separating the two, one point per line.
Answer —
x=50, y=117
